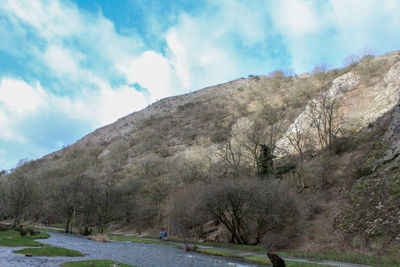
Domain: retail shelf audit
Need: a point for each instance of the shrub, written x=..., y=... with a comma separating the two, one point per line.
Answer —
x=4, y=227
x=85, y=231
x=22, y=231
x=360, y=169
x=250, y=210
x=33, y=231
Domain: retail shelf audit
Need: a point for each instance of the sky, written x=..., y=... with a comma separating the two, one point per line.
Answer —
x=68, y=67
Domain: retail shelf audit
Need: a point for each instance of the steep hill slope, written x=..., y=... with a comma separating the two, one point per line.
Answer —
x=349, y=186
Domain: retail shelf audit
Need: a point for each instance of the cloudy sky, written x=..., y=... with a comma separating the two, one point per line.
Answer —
x=68, y=67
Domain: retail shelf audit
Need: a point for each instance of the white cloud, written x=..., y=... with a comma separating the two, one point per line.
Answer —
x=328, y=31
x=297, y=17
x=51, y=19
x=18, y=98
x=62, y=61
x=19, y=101
x=153, y=72
x=119, y=102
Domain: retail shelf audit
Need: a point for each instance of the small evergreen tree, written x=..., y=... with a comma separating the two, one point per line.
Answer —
x=265, y=161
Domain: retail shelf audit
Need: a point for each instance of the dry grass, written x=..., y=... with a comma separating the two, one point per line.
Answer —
x=98, y=238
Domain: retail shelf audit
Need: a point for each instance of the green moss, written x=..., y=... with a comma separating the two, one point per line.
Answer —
x=13, y=239
x=91, y=263
x=50, y=251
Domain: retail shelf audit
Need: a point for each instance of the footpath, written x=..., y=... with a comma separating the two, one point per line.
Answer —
x=246, y=254
x=242, y=254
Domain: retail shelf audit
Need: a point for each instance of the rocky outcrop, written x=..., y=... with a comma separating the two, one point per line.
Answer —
x=360, y=104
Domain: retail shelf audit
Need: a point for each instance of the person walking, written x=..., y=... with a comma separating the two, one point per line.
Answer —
x=165, y=235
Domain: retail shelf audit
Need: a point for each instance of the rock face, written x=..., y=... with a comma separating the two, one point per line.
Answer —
x=360, y=104
x=392, y=135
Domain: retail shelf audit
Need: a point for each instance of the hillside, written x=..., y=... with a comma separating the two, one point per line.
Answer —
x=347, y=183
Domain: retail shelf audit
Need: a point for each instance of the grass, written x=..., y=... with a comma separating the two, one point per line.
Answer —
x=344, y=257
x=234, y=246
x=12, y=238
x=218, y=252
x=50, y=251
x=252, y=248
x=265, y=260
x=304, y=264
x=91, y=263
x=257, y=259
x=49, y=229
x=140, y=240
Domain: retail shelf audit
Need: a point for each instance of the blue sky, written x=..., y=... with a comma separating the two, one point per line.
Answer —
x=71, y=66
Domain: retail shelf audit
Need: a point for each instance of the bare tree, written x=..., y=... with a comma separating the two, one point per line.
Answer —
x=227, y=202
x=20, y=195
x=320, y=72
x=89, y=200
x=274, y=210
x=273, y=117
x=299, y=139
x=250, y=135
x=107, y=197
x=158, y=190
x=231, y=156
x=186, y=214
x=249, y=209
x=324, y=116
x=67, y=199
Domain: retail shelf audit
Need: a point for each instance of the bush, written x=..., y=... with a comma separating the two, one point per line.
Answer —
x=360, y=169
x=33, y=231
x=250, y=210
x=85, y=231
x=4, y=227
x=22, y=231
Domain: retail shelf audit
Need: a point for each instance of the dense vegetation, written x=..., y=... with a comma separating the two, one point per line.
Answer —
x=211, y=165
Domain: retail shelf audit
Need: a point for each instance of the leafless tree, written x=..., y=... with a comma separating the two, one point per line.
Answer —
x=89, y=196
x=231, y=156
x=186, y=214
x=107, y=197
x=324, y=116
x=320, y=72
x=249, y=209
x=227, y=202
x=158, y=189
x=67, y=199
x=20, y=195
x=299, y=139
